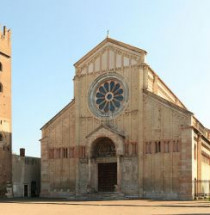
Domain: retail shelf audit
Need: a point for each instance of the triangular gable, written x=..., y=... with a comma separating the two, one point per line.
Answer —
x=109, y=54
x=108, y=128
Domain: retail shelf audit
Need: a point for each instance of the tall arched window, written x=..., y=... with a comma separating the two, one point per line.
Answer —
x=1, y=88
x=1, y=67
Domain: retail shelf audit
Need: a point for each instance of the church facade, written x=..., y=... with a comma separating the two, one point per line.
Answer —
x=125, y=132
x=5, y=114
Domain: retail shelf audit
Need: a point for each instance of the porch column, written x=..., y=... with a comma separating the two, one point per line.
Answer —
x=89, y=171
x=118, y=173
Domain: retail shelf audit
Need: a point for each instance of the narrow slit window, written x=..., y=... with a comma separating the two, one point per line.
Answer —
x=1, y=137
x=157, y=147
x=1, y=88
x=65, y=152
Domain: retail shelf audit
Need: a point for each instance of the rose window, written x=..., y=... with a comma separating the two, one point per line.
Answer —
x=109, y=96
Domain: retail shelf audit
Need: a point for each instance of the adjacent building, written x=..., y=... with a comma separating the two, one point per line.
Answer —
x=125, y=132
x=5, y=114
x=25, y=175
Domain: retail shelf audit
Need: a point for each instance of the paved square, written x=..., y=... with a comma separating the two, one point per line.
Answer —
x=131, y=207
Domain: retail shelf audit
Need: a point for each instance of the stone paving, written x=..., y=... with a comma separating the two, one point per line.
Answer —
x=131, y=207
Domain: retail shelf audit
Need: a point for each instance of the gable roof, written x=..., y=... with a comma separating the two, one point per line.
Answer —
x=109, y=128
x=166, y=102
x=113, y=41
x=162, y=82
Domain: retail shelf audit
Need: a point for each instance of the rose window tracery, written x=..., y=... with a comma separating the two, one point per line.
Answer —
x=109, y=96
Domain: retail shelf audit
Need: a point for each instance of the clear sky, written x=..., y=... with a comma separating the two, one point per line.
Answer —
x=49, y=36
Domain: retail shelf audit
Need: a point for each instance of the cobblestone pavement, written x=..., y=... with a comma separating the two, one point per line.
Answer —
x=128, y=207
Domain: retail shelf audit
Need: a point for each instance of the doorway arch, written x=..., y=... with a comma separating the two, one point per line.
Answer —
x=103, y=147
x=104, y=156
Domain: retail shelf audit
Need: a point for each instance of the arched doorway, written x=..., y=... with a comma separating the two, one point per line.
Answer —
x=105, y=154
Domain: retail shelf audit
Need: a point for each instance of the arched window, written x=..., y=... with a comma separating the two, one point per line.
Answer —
x=1, y=68
x=1, y=88
x=1, y=137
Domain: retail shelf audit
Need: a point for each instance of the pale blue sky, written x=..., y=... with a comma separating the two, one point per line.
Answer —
x=49, y=36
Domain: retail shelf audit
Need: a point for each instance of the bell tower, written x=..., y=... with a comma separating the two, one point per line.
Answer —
x=5, y=113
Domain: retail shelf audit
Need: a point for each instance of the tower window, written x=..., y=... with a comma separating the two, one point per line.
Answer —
x=1, y=137
x=1, y=88
x=1, y=67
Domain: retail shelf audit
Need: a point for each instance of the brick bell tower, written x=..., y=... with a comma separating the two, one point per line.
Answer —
x=5, y=114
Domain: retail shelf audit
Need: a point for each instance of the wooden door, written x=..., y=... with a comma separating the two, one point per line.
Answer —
x=107, y=177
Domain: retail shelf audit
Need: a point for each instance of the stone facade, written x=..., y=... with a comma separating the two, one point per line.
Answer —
x=5, y=113
x=124, y=131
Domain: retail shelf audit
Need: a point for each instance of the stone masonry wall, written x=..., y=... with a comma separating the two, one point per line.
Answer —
x=58, y=155
x=164, y=150
x=5, y=114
